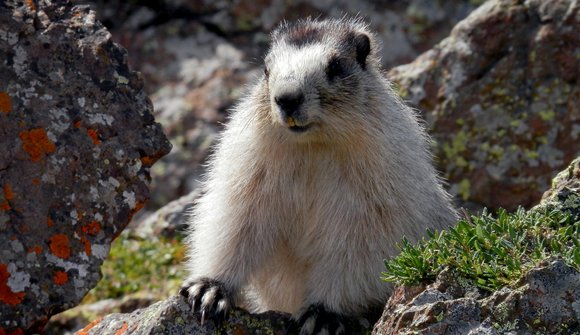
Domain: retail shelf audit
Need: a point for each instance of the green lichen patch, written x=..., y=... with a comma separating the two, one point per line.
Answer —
x=491, y=251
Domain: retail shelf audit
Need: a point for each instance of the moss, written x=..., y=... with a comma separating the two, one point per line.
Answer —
x=136, y=264
x=547, y=115
x=458, y=144
x=464, y=189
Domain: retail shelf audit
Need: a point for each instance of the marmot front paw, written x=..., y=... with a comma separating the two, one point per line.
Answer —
x=209, y=298
x=317, y=320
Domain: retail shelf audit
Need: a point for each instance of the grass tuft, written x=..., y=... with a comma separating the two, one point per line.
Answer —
x=492, y=251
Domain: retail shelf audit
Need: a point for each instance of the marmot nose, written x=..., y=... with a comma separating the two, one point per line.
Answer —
x=289, y=102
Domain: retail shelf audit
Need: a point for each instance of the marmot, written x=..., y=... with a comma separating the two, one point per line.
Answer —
x=320, y=171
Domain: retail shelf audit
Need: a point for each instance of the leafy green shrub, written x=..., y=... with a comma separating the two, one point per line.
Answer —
x=491, y=251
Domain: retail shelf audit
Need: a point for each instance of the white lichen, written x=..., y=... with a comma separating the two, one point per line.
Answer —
x=82, y=269
x=18, y=280
x=129, y=199
x=100, y=250
x=102, y=119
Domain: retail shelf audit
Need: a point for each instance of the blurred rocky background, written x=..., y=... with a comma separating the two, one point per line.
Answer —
x=197, y=56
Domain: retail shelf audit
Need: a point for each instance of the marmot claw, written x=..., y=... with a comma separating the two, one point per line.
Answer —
x=207, y=297
x=317, y=320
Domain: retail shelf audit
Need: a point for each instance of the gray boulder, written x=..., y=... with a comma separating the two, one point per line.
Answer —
x=77, y=140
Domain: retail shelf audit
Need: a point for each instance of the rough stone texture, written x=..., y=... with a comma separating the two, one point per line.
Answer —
x=173, y=317
x=198, y=55
x=545, y=301
x=501, y=97
x=77, y=140
x=75, y=319
x=565, y=191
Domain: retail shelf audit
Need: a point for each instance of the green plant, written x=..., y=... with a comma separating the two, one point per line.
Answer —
x=136, y=264
x=491, y=251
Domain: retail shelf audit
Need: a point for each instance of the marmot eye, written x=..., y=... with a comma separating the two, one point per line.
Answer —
x=334, y=68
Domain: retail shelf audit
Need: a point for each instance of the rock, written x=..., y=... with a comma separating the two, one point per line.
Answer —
x=77, y=140
x=565, y=192
x=168, y=221
x=500, y=96
x=545, y=301
x=174, y=316
x=75, y=319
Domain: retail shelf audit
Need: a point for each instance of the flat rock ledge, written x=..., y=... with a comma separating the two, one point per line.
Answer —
x=173, y=316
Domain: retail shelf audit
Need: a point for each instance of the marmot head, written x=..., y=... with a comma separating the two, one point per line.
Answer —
x=317, y=75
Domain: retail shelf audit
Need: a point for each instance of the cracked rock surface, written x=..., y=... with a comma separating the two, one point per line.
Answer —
x=77, y=140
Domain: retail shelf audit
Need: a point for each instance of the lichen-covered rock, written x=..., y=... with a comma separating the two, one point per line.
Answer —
x=545, y=301
x=173, y=316
x=565, y=192
x=501, y=96
x=77, y=140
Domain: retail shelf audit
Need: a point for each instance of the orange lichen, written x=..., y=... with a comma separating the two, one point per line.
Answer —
x=6, y=295
x=85, y=331
x=8, y=194
x=36, y=181
x=147, y=161
x=49, y=222
x=60, y=278
x=5, y=103
x=87, y=244
x=17, y=331
x=36, y=249
x=94, y=135
x=123, y=329
x=92, y=228
x=36, y=143
x=31, y=5
x=77, y=124
x=59, y=245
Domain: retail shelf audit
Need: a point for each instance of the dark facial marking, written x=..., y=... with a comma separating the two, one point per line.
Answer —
x=334, y=68
x=302, y=35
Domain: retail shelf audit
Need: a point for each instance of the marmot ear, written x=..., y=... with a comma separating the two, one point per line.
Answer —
x=363, y=48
